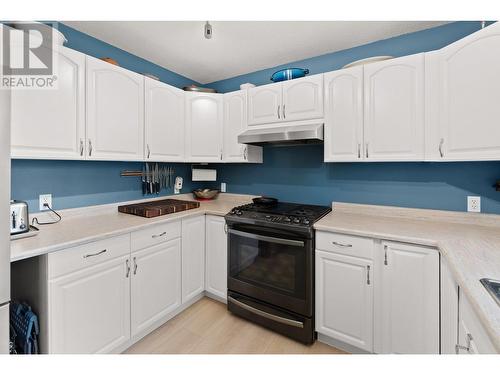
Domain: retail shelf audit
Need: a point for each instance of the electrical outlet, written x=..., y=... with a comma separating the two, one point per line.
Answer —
x=45, y=198
x=473, y=204
x=222, y=187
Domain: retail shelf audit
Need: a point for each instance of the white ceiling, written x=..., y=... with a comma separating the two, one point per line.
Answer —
x=238, y=47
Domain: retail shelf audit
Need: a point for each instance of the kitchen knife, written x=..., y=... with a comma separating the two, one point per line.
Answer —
x=143, y=181
x=157, y=181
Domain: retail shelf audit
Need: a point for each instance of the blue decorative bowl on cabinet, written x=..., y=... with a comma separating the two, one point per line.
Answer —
x=287, y=74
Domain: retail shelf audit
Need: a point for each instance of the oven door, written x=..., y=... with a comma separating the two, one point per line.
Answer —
x=272, y=266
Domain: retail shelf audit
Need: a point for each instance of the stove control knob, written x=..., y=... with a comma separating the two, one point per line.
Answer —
x=305, y=221
x=296, y=221
x=287, y=219
x=239, y=213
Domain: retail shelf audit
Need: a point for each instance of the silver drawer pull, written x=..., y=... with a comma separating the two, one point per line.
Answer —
x=95, y=254
x=135, y=266
x=264, y=314
x=341, y=244
x=159, y=235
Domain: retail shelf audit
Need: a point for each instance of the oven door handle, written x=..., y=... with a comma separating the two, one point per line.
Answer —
x=260, y=237
x=276, y=318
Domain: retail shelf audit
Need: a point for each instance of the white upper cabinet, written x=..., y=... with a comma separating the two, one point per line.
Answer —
x=298, y=99
x=264, y=104
x=303, y=98
x=235, y=122
x=50, y=123
x=344, y=115
x=115, y=112
x=464, y=111
x=164, y=122
x=203, y=132
x=394, y=109
x=409, y=308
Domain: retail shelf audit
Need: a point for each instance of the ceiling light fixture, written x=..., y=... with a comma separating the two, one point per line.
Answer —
x=208, y=31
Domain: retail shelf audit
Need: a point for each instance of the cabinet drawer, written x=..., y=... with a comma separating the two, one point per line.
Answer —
x=345, y=244
x=79, y=257
x=155, y=235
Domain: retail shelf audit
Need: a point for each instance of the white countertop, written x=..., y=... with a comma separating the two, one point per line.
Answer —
x=469, y=243
x=84, y=225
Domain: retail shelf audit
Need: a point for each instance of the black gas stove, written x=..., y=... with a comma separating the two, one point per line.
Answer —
x=289, y=216
x=271, y=265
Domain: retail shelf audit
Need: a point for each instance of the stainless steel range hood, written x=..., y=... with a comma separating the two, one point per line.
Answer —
x=298, y=134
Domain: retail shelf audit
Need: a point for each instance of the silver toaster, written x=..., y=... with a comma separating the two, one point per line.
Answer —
x=19, y=217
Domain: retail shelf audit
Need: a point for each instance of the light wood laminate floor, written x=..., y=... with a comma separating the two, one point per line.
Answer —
x=207, y=327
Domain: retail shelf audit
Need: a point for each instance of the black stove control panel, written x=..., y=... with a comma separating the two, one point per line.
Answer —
x=271, y=218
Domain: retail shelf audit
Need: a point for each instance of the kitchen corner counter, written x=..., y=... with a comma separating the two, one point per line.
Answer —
x=84, y=225
x=470, y=243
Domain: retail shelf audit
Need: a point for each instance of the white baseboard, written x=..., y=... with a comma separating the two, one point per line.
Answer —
x=340, y=345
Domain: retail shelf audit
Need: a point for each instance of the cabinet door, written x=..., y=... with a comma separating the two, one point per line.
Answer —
x=50, y=123
x=204, y=119
x=193, y=257
x=264, y=104
x=156, y=284
x=344, y=115
x=89, y=310
x=410, y=299
x=216, y=256
x=115, y=112
x=344, y=299
x=394, y=109
x=164, y=122
x=463, y=81
x=303, y=98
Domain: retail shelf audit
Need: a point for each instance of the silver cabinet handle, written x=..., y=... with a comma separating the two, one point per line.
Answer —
x=341, y=244
x=159, y=235
x=95, y=254
x=284, y=117
x=81, y=147
x=149, y=150
x=441, y=147
x=135, y=266
x=264, y=314
x=90, y=147
x=468, y=340
x=368, y=275
x=385, y=255
x=221, y=154
x=225, y=228
x=359, y=150
x=245, y=153
x=259, y=237
x=127, y=265
x=367, y=150
x=279, y=111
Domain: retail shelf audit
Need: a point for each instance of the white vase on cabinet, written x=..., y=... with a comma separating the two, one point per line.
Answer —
x=115, y=112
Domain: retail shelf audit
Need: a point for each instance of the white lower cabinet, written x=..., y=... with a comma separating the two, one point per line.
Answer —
x=216, y=256
x=89, y=310
x=156, y=284
x=382, y=298
x=472, y=338
x=344, y=299
x=193, y=257
x=409, y=299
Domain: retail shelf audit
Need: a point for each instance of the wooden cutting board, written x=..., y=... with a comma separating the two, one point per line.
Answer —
x=158, y=208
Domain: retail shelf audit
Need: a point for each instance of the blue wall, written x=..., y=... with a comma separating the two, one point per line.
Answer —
x=298, y=174
x=289, y=173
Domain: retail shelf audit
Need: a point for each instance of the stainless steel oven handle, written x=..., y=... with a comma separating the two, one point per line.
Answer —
x=260, y=237
x=276, y=318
